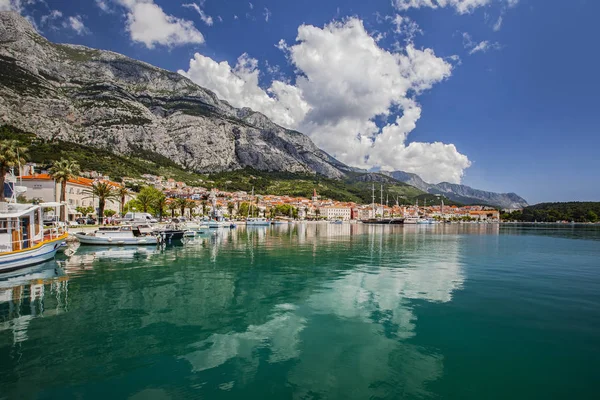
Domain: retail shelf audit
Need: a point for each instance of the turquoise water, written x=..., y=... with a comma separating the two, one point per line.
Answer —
x=312, y=312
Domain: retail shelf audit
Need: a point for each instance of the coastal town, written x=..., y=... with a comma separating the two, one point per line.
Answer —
x=210, y=203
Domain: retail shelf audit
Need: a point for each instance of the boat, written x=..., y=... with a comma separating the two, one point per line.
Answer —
x=422, y=221
x=23, y=240
x=257, y=222
x=384, y=221
x=170, y=233
x=117, y=235
x=411, y=220
x=337, y=222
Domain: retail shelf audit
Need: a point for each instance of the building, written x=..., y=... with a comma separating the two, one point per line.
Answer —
x=43, y=187
x=343, y=213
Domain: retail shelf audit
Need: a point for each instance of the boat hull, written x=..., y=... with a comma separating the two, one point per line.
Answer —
x=121, y=241
x=39, y=254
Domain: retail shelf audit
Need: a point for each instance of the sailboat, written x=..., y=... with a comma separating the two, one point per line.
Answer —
x=255, y=221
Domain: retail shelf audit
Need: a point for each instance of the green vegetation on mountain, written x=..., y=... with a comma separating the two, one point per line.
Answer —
x=553, y=212
x=45, y=153
x=354, y=188
x=349, y=189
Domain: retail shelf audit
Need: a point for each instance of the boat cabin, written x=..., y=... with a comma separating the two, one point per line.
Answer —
x=22, y=226
x=124, y=231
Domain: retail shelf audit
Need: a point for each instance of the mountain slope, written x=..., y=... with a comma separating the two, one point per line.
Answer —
x=108, y=101
x=461, y=193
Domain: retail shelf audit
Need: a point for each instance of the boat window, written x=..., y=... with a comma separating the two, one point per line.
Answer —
x=126, y=228
x=3, y=226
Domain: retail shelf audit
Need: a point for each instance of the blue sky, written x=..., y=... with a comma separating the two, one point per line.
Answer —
x=497, y=94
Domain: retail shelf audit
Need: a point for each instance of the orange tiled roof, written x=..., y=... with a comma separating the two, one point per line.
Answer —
x=79, y=180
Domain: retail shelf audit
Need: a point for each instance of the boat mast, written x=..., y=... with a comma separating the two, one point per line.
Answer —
x=382, y=209
x=373, y=200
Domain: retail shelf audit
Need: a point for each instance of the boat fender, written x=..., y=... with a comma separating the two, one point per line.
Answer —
x=109, y=240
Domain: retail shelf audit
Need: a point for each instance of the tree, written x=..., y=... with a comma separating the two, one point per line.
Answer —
x=104, y=192
x=62, y=171
x=160, y=204
x=109, y=213
x=172, y=206
x=230, y=207
x=592, y=216
x=190, y=205
x=182, y=204
x=11, y=154
x=147, y=197
x=204, y=207
x=122, y=192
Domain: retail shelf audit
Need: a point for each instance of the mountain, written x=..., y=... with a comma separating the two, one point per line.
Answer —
x=108, y=101
x=461, y=193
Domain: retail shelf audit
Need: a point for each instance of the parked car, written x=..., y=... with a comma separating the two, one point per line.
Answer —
x=86, y=221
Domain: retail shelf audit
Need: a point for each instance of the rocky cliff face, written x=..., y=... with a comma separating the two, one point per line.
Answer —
x=107, y=100
x=461, y=193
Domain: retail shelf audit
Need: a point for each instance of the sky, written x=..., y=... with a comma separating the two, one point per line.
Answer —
x=499, y=95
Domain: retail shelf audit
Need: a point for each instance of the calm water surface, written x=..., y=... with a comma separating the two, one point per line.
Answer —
x=311, y=312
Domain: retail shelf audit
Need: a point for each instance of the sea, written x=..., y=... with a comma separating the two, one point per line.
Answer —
x=312, y=311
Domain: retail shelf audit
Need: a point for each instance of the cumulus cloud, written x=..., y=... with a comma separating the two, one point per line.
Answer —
x=147, y=23
x=207, y=19
x=340, y=101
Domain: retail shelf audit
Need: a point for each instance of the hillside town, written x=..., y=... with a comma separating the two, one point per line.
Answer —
x=204, y=202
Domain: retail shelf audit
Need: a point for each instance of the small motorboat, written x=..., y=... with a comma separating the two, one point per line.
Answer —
x=117, y=235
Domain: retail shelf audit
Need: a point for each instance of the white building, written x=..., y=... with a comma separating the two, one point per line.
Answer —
x=334, y=213
x=44, y=188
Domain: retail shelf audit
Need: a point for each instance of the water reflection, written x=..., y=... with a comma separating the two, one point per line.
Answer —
x=39, y=291
x=361, y=314
x=329, y=310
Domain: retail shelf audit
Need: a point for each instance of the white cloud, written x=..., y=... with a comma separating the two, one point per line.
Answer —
x=207, y=19
x=147, y=23
x=498, y=24
x=406, y=27
x=337, y=101
x=461, y=6
x=54, y=14
x=476, y=47
x=267, y=14
x=76, y=23
x=103, y=5
x=251, y=6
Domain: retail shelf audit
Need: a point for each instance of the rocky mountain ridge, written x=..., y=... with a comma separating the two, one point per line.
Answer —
x=106, y=100
x=461, y=193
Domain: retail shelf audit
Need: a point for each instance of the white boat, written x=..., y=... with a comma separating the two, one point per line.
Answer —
x=23, y=239
x=117, y=235
x=258, y=222
x=411, y=220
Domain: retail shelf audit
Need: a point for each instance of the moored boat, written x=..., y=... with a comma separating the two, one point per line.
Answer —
x=23, y=240
x=257, y=222
x=117, y=236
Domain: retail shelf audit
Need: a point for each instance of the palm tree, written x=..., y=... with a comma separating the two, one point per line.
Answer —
x=63, y=170
x=230, y=207
x=204, y=207
x=122, y=192
x=172, y=206
x=182, y=204
x=103, y=191
x=11, y=154
x=160, y=204
x=145, y=200
x=191, y=204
